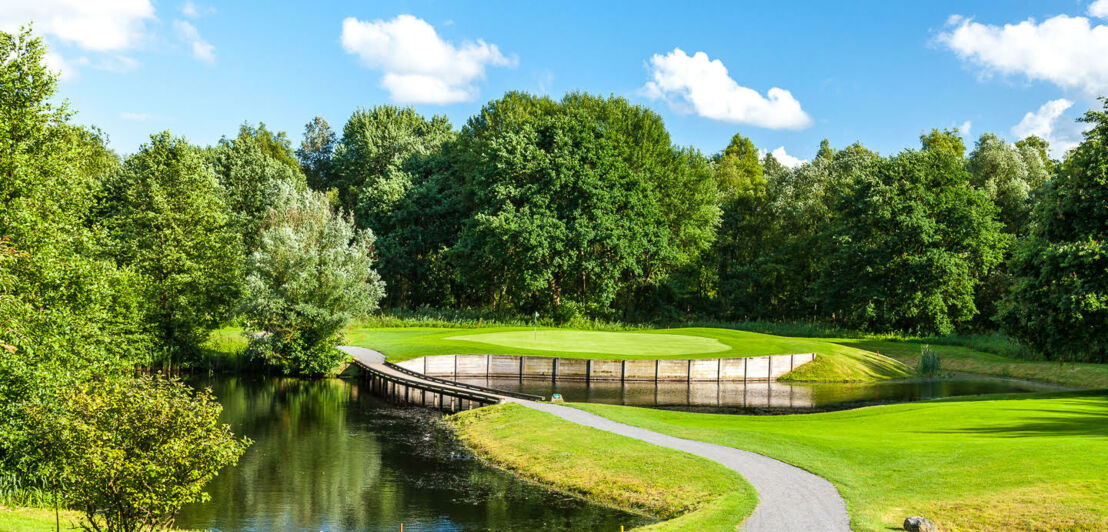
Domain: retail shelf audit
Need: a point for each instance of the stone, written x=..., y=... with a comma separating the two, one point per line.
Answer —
x=919, y=524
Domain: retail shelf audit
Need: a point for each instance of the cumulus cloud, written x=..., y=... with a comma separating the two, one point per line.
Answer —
x=418, y=66
x=1065, y=50
x=1099, y=9
x=964, y=129
x=58, y=64
x=702, y=85
x=201, y=49
x=1049, y=123
x=785, y=159
x=99, y=26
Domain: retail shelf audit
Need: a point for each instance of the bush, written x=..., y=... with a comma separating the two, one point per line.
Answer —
x=128, y=453
x=929, y=364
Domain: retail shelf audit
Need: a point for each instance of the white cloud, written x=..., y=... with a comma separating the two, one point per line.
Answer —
x=702, y=85
x=189, y=10
x=135, y=116
x=418, y=65
x=964, y=129
x=1099, y=9
x=95, y=25
x=201, y=49
x=1066, y=51
x=1048, y=123
x=785, y=159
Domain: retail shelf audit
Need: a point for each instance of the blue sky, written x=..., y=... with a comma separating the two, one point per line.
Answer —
x=878, y=72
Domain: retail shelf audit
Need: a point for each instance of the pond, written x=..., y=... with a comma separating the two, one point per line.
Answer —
x=762, y=397
x=328, y=456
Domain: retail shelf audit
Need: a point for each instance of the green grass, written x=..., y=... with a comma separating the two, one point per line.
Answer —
x=609, y=469
x=834, y=362
x=34, y=519
x=974, y=360
x=630, y=344
x=1021, y=462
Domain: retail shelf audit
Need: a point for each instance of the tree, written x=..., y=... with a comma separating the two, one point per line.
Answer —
x=369, y=162
x=575, y=203
x=249, y=169
x=310, y=276
x=66, y=314
x=909, y=243
x=1001, y=171
x=315, y=154
x=948, y=140
x=128, y=453
x=738, y=170
x=1058, y=303
x=166, y=218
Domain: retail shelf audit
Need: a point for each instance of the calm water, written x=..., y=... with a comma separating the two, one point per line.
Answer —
x=328, y=456
x=764, y=397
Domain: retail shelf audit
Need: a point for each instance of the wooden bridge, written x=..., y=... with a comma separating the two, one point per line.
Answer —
x=403, y=385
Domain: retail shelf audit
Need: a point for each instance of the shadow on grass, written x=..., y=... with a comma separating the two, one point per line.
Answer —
x=1089, y=417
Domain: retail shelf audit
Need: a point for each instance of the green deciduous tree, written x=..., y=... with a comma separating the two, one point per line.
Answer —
x=66, y=315
x=909, y=242
x=167, y=219
x=1059, y=300
x=311, y=274
x=369, y=164
x=567, y=203
x=128, y=453
x=315, y=154
x=249, y=168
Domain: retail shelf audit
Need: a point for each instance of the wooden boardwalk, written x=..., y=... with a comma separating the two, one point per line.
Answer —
x=406, y=386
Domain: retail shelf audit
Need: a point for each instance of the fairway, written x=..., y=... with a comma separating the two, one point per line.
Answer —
x=608, y=343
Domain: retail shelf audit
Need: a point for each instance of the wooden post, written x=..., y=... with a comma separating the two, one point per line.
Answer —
x=554, y=370
x=688, y=371
x=769, y=373
x=656, y=364
x=488, y=368
x=622, y=371
x=746, y=363
x=719, y=370
x=588, y=372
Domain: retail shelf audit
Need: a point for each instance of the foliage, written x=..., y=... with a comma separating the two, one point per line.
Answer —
x=909, y=243
x=249, y=168
x=128, y=453
x=368, y=166
x=310, y=276
x=947, y=140
x=315, y=153
x=1059, y=300
x=929, y=363
x=66, y=315
x=166, y=218
x=575, y=203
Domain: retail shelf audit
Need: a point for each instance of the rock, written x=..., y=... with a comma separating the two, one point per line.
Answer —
x=919, y=524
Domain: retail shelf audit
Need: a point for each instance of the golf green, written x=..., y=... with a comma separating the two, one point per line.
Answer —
x=611, y=343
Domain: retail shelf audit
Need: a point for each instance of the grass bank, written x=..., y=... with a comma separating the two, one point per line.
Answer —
x=834, y=362
x=1023, y=462
x=977, y=359
x=688, y=492
x=16, y=519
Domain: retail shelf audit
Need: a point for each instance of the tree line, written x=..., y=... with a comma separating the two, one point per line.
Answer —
x=584, y=207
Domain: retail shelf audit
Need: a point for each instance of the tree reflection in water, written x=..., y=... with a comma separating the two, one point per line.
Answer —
x=328, y=456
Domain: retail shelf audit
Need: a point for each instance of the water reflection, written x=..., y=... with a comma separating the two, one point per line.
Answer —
x=763, y=396
x=328, y=456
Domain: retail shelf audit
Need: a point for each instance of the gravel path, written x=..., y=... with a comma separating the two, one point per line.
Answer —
x=789, y=498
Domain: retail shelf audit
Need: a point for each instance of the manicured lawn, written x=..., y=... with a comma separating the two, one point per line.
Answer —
x=34, y=519
x=967, y=360
x=1026, y=462
x=609, y=469
x=629, y=344
x=834, y=362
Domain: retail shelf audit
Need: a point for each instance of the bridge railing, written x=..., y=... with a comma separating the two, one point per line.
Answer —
x=467, y=386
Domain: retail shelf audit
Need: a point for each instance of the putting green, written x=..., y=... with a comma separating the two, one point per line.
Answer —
x=612, y=343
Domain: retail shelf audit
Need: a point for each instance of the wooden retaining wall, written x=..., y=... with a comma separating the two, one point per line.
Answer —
x=763, y=368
